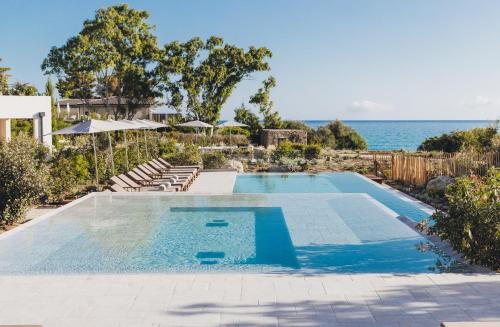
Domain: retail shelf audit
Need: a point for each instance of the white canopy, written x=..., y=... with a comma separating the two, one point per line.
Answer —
x=121, y=125
x=135, y=124
x=231, y=124
x=152, y=124
x=87, y=127
x=195, y=124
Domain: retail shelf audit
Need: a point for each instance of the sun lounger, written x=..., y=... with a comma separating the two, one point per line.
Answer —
x=158, y=181
x=130, y=182
x=147, y=181
x=146, y=176
x=167, y=164
x=182, y=181
x=157, y=174
x=164, y=169
x=120, y=182
x=117, y=188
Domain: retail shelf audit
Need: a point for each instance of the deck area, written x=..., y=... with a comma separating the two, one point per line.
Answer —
x=219, y=182
x=347, y=300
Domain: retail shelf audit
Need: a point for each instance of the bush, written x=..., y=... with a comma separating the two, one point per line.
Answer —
x=284, y=150
x=478, y=139
x=233, y=131
x=214, y=160
x=23, y=177
x=69, y=170
x=338, y=136
x=472, y=225
x=312, y=151
x=167, y=147
x=189, y=155
x=296, y=124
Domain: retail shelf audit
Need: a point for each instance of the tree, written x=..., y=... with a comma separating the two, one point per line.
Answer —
x=4, y=79
x=263, y=100
x=200, y=76
x=339, y=136
x=113, y=55
x=247, y=117
x=49, y=91
x=23, y=89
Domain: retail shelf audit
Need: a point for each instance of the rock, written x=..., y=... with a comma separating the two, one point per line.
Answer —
x=439, y=184
x=238, y=165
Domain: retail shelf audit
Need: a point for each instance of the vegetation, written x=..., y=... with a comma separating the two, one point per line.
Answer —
x=201, y=75
x=246, y=116
x=478, y=139
x=4, y=79
x=113, y=55
x=23, y=177
x=69, y=169
x=312, y=151
x=263, y=101
x=472, y=224
x=338, y=136
x=214, y=160
x=188, y=155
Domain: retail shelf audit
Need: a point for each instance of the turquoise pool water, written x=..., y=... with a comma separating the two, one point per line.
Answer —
x=344, y=182
x=269, y=233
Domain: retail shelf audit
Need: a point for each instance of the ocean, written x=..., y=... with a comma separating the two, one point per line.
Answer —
x=403, y=134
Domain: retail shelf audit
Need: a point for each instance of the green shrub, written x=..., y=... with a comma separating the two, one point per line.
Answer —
x=23, y=177
x=337, y=135
x=69, y=171
x=284, y=150
x=167, y=147
x=214, y=160
x=189, y=155
x=478, y=139
x=472, y=224
x=235, y=131
x=296, y=124
x=312, y=151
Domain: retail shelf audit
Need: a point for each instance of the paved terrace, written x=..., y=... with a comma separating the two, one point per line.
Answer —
x=248, y=300
x=217, y=182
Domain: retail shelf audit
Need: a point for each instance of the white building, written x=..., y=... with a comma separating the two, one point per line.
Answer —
x=27, y=107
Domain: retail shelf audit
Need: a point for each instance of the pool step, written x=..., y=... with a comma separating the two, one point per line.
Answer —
x=210, y=257
x=217, y=223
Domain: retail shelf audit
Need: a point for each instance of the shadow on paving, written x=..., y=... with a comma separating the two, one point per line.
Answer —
x=413, y=304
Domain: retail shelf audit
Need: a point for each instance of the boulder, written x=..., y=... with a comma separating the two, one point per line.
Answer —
x=439, y=184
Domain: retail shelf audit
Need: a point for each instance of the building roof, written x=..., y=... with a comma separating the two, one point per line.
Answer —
x=112, y=101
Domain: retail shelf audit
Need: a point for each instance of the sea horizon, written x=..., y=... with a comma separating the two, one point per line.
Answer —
x=404, y=134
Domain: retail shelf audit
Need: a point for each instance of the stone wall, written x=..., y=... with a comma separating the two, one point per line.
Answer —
x=272, y=137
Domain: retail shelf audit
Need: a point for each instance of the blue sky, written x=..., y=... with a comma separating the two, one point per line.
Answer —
x=332, y=59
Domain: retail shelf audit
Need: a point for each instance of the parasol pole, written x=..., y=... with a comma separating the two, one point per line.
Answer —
x=95, y=160
x=112, y=156
x=126, y=148
x=138, y=150
x=146, y=144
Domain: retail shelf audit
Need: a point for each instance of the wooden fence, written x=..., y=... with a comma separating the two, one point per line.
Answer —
x=418, y=168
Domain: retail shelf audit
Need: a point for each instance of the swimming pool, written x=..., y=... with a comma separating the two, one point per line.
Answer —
x=342, y=182
x=269, y=233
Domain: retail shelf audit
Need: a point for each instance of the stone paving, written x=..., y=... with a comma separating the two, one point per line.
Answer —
x=248, y=299
x=214, y=182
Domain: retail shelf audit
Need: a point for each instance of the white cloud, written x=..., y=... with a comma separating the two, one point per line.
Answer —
x=483, y=101
x=368, y=106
